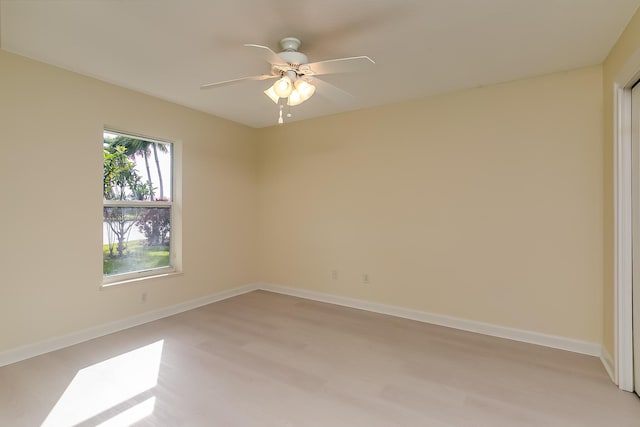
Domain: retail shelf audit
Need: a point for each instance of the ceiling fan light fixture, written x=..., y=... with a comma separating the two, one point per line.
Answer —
x=301, y=92
x=305, y=89
x=283, y=87
x=271, y=93
x=295, y=98
x=294, y=74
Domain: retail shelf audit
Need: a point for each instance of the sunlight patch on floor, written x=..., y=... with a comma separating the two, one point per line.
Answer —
x=131, y=415
x=100, y=387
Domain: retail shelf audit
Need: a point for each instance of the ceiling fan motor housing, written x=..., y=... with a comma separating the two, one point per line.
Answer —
x=295, y=58
x=290, y=43
x=290, y=52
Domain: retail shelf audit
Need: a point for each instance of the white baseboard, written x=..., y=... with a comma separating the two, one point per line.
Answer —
x=56, y=343
x=52, y=344
x=607, y=362
x=553, y=341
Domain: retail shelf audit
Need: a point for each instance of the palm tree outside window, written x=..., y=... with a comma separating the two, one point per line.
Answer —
x=137, y=206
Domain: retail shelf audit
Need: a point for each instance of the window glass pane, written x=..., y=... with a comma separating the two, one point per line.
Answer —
x=135, y=239
x=136, y=169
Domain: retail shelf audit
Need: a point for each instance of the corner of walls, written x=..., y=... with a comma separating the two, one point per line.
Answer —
x=608, y=363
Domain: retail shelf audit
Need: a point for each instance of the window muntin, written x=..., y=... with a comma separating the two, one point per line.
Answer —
x=137, y=207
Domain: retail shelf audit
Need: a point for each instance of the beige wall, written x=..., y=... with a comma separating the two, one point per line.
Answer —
x=51, y=124
x=484, y=204
x=627, y=45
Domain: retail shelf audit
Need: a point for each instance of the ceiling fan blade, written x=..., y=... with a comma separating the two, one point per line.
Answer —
x=341, y=65
x=332, y=92
x=268, y=55
x=234, y=81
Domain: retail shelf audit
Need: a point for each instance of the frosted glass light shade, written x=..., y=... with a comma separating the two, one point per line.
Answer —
x=301, y=92
x=305, y=89
x=295, y=98
x=283, y=87
x=271, y=93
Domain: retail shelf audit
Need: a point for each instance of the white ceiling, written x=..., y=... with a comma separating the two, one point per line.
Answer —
x=168, y=48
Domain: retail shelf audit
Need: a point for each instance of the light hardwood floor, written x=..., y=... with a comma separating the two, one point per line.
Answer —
x=264, y=359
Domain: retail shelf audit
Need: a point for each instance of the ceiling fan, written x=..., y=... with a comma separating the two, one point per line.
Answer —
x=297, y=77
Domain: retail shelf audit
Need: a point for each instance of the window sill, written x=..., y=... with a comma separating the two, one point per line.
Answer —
x=131, y=280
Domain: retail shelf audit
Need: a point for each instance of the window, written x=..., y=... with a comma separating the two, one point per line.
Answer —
x=137, y=207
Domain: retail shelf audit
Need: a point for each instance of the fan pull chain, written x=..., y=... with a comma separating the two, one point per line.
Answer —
x=280, y=120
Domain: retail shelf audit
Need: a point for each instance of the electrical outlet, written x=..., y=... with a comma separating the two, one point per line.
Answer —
x=143, y=297
x=365, y=279
x=334, y=275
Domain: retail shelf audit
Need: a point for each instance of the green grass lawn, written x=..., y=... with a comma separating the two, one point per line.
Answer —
x=137, y=257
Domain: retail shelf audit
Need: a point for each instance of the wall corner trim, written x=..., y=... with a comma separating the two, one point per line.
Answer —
x=607, y=362
x=622, y=221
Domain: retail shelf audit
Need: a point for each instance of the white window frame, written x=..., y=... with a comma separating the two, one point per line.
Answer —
x=174, y=258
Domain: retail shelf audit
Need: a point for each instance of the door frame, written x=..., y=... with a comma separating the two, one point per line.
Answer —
x=623, y=244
